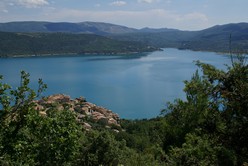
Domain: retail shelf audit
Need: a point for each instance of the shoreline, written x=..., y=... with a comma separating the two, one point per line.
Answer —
x=73, y=54
x=76, y=54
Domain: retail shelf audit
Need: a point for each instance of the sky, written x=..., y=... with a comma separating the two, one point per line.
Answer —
x=178, y=14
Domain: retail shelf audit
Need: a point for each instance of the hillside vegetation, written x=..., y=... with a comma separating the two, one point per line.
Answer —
x=209, y=127
x=16, y=44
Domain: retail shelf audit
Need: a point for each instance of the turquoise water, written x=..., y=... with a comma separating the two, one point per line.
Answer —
x=134, y=86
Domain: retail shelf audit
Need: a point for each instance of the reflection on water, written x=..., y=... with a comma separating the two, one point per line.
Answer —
x=117, y=57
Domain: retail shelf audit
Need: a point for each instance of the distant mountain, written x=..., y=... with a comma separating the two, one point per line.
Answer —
x=83, y=27
x=215, y=38
x=222, y=32
x=98, y=28
x=156, y=30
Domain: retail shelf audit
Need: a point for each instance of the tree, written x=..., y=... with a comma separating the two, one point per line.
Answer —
x=103, y=149
x=202, y=150
x=216, y=105
x=29, y=138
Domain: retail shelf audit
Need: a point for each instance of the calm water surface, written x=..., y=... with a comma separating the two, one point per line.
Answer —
x=134, y=86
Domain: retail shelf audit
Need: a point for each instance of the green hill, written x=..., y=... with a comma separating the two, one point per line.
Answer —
x=13, y=44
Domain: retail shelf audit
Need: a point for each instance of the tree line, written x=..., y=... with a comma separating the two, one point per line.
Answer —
x=37, y=44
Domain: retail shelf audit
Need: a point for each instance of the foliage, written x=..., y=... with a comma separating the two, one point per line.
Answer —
x=27, y=137
x=102, y=149
x=200, y=150
x=215, y=109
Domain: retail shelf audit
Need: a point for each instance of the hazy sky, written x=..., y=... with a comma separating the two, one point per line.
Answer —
x=180, y=14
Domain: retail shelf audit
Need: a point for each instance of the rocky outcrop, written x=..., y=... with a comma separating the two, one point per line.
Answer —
x=84, y=110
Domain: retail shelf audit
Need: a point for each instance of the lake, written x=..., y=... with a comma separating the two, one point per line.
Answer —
x=135, y=86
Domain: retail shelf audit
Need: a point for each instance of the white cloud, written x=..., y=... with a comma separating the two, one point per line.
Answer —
x=3, y=7
x=11, y=4
x=147, y=1
x=194, y=16
x=118, y=3
x=5, y=11
x=98, y=5
x=33, y=3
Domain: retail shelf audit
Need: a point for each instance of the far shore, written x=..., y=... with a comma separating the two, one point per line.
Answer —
x=108, y=53
x=73, y=54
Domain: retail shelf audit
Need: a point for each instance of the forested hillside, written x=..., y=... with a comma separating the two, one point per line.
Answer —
x=54, y=38
x=21, y=44
x=208, y=128
x=215, y=39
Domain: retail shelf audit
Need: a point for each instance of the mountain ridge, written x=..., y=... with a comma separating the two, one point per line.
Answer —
x=97, y=27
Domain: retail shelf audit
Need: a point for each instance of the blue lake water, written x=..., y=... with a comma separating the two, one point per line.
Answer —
x=134, y=86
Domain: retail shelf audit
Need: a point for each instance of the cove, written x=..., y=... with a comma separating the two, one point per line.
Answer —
x=135, y=86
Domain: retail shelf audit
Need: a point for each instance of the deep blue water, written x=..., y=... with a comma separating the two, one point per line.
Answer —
x=134, y=86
